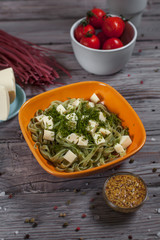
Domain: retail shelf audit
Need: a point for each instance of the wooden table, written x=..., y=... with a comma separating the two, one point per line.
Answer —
x=30, y=192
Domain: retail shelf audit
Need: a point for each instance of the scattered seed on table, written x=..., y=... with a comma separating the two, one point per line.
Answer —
x=77, y=229
x=141, y=82
x=26, y=220
x=154, y=170
x=140, y=50
x=130, y=237
x=129, y=75
x=27, y=236
x=62, y=214
x=131, y=160
x=10, y=196
x=55, y=207
x=34, y=224
x=65, y=224
x=83, y=215
x=32, y=220
x=76, y=190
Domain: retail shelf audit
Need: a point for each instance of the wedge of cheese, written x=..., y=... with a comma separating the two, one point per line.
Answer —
x=4, y=103
x=7, y=80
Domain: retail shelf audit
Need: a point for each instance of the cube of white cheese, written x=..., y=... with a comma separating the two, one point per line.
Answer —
x=92, y=126
x=61, y=109
x=91, y=104
x=72, y=117
x=48, y=135
x=4, y=103
x=102, y=117
x=118, y=148
x=76, y=102
x=104, y=131
x=98, y=138
x=125, y=141
x=70, y=156
x=73, y=138
x=82, y=141
x=39, y=118
x=94, y=98
x=7, y=79
x=47, y=120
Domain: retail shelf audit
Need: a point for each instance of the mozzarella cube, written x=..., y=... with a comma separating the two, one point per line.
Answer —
x=61, y=109
x=125, y=141
x=39, y=118
x=102, y=117
x=48, y=135
x=118, y=148
x=104, y=131
x=47, y=120
x=4, y=103
x=82, y=141
x=91, y=104
x=73, y=138
x=7, y=79
x=72, y=117
x=76, y=102
x=70, y=156
x=98, y=138
x=92, y=126
x=94, y=98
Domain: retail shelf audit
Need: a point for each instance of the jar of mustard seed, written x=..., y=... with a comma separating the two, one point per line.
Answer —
x=125, y=192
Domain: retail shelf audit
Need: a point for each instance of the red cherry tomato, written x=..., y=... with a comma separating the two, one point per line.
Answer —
x=102, y=38
x=95, y=17
x=112, y=43
x=113, y=26
x=82, y=29
x=90, y=41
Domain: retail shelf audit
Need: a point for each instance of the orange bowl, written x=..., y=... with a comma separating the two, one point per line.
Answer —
x=113, y=101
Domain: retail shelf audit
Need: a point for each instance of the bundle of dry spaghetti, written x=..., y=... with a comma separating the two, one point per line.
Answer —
x=31, y=63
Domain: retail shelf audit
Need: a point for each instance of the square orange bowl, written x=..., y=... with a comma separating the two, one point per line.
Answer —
x=113, y=101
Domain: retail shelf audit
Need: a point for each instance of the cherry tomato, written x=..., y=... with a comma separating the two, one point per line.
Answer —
x=82, y=29
x=113, y=26
x=91, y=41
x=95, y=17
x=102, y=38
x=112, y=43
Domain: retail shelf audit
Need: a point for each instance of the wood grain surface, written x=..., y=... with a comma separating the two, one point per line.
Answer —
x=30, y=192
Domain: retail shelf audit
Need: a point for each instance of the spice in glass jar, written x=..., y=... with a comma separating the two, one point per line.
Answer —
x=125, y=190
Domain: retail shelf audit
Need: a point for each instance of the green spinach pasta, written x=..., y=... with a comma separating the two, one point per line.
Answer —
x=78, y=134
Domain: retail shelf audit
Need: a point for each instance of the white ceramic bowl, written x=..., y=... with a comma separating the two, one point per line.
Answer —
x=104, y=62
x=130, y=9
